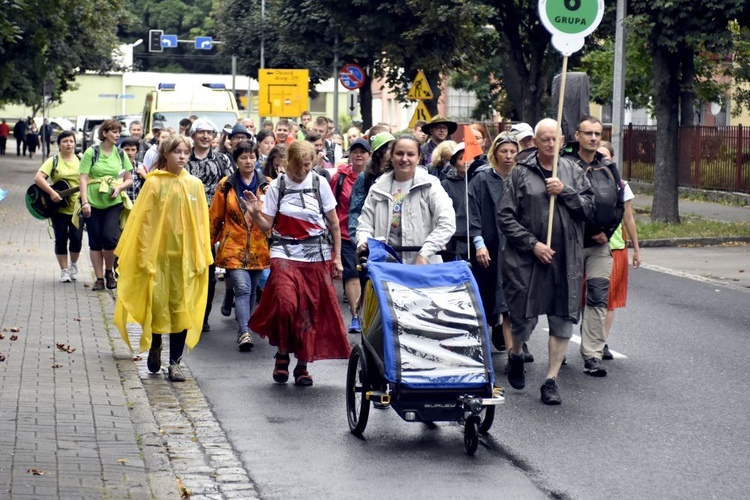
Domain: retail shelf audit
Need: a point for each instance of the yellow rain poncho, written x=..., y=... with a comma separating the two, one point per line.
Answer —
x=164, y=253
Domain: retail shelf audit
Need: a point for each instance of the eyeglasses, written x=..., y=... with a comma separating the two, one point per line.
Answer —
x=590, y=133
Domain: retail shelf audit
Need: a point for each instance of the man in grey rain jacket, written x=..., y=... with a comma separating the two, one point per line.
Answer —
x=540, y=279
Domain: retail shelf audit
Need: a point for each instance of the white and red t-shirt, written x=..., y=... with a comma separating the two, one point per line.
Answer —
x=299, y=217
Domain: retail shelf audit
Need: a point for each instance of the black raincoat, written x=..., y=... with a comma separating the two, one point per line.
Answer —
x=531, y=287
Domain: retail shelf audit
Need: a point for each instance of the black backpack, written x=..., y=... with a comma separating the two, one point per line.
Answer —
x=606, y=192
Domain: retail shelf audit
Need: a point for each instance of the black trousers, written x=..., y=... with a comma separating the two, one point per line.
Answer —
x=176, y=345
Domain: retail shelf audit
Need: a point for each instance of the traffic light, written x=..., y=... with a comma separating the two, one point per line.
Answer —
x=154, y=41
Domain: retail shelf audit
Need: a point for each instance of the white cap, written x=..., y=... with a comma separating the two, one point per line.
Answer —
x=203, y=124
x=522, y=130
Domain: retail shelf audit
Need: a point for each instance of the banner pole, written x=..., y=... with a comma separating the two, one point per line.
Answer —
x=557, y=148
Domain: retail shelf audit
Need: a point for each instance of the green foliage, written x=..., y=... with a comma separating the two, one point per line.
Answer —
x=50, y=42
x=741, y=66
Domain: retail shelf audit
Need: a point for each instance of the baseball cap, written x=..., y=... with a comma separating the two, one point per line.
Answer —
x=362, y=143
x=522, y=130
x=240, y=129
x=460, y=148
x=381, y=139
x=158, y=125
x=202, y=124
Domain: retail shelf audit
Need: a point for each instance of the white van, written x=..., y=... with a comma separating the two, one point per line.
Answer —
x=170, y=103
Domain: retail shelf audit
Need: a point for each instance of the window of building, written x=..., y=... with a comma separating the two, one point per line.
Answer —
x=318, y=105
x=461, y=103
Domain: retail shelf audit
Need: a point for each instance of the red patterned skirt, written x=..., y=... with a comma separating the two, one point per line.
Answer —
x=299, y=312
x=618, y=282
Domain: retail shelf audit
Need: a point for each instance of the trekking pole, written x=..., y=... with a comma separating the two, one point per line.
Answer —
x=557, y=148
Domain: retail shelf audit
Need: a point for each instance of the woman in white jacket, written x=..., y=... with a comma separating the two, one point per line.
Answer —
x=408, y=207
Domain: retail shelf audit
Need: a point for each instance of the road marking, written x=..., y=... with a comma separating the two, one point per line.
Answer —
x=577, y=340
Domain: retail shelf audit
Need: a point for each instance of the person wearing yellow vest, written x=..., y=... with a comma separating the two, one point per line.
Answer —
x=105, y=173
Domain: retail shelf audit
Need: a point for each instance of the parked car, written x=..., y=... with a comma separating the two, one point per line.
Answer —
x=58, y=125
x=85, y=126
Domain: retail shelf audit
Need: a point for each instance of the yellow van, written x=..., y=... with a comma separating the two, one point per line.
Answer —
x=170, y=103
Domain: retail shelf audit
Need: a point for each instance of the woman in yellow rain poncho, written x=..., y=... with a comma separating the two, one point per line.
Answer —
x=164, y=254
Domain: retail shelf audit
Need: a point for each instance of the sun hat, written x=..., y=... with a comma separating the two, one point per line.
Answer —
x=460, y=148
x=440, y=120
x=240, y=129
x=381, y=140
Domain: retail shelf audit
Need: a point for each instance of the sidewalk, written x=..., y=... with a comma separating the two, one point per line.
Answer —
x=90, y=423
x=708, y=210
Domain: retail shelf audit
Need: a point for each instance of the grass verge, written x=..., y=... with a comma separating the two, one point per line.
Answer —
x=690, y=227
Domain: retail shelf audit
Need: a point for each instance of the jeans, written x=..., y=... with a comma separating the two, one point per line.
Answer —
x=244, y=283
x=265, y=273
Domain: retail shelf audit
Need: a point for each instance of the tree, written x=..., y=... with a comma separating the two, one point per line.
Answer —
x=676, y=30
x=52, y=49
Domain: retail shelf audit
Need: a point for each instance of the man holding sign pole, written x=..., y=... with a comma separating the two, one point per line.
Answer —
x=541, y=278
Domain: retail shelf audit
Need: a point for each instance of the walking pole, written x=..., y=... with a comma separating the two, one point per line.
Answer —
x=466, y=201
x=557, y=148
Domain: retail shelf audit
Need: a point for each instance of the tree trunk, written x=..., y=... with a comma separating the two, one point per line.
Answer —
x=365, y=100
x=687, y=93
x=666, y=86
x=433, y=79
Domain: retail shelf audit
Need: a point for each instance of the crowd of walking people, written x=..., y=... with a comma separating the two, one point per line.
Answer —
x=285, y=211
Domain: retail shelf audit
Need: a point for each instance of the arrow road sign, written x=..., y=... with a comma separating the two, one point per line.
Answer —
x=352, y=102
x=169, y=41
x=203, y=43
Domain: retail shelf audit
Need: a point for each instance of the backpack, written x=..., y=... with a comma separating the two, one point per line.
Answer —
x=339, y=186
x=97, y=150
x=606, y=190
x=56, y=162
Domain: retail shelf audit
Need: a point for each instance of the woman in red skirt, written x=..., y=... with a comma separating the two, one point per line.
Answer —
x=618, y=282
x=298, y=311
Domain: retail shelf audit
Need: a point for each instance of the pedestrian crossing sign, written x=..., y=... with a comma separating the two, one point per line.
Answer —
x=420, y=89
x=421, y=113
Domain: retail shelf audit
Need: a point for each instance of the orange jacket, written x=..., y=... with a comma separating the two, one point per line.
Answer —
x=240, y=247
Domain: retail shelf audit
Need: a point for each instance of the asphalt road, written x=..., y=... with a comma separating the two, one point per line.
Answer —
x=668, y=422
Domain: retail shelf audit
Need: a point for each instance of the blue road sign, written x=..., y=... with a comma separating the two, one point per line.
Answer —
x=352, y=77
x=169, y=41
x=203, y=43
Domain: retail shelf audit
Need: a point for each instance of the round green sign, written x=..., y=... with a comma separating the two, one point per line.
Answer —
x=572, y=16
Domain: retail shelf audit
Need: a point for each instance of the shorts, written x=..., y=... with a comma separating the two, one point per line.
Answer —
x=349, y=260
x=558, y=327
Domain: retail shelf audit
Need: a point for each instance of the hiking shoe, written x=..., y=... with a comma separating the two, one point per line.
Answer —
x=607, y=354
x=594, y=367
x=175, y=373
x=354, y=327
x=527, y=356
x=65, y=276
x=550, y=396
x=516, y=373
x=109, y=276
x=498, y=341
x=226, y=306
x=245, y=342
x=206, y=327
x=98, y=285
x=73, y=270
x=153, y=362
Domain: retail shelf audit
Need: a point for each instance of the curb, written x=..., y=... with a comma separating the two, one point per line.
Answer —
x=692, y=242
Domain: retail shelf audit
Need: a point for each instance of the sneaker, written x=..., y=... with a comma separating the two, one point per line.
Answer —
x=516, y=376
x=109, y=276
x=65, y=276
x=98, y=285
x=594, y=367
x=175, y=373
x=245, y=342
x=498, y=341
x=550, y=396
x=73, y=270
x=527, y=356
x=153, y=362
x=607, y=354
x=354, y=327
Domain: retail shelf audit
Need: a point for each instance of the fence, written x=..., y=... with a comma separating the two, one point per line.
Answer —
x=709, y=157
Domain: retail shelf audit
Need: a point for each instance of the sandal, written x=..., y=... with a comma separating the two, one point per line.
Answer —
x=302, y=376
x=111, y=281
x=98, y=285
x=281, y=368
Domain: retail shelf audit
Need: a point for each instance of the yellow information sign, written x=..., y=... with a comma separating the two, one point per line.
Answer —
x=420, y=89
x=283, y=92
x=420, y=113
